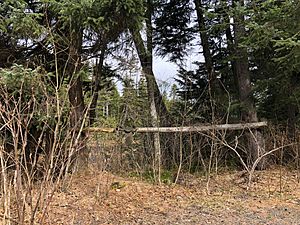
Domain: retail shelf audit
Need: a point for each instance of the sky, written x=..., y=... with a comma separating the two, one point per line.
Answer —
x=163, y=70
x=167, y=71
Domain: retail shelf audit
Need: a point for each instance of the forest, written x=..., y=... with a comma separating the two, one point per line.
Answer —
x=79, y=92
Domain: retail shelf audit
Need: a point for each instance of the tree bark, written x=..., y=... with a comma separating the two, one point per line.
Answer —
x=230, y=42
x=75, y=94
x=239, y=126
x=215, y=88
x=145, y=56
x=205, y=42
x=152, y=87
x=73, y=67
x=96, y=86
x=158, y=109
x=256, y=146
x=292, y=107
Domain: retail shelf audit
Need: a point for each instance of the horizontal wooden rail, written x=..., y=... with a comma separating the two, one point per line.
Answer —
x=239, y=126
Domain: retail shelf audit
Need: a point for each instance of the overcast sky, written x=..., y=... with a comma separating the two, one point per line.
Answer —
x=163, y=70
x=167, y=71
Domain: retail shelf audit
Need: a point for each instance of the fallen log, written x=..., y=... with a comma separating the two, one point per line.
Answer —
x=239, y=126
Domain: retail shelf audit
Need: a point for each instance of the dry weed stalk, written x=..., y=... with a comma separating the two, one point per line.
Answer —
x=250, y=168
x=38, y=149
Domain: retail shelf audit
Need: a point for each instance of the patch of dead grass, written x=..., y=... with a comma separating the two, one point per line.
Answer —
x=92, y=198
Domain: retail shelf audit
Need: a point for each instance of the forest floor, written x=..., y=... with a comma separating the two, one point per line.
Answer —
x=103, y=198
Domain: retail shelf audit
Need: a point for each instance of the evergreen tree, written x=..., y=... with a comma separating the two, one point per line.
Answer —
x=273, y=40
x=173, y=31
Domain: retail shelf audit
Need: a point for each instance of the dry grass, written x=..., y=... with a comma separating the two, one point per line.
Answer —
x=103, y=198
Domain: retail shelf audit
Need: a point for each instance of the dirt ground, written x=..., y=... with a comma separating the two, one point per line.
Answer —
x=103, y=198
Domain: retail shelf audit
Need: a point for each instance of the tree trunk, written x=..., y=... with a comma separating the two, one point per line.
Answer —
x=216, y=91
x=205, y=42
x=75, y=94
x=96, y=86
x=230, y=43
x=158, y=109
x=145, y=56
x=292, y=106
x=255, y=139
x=152, y=87
x=204, y=128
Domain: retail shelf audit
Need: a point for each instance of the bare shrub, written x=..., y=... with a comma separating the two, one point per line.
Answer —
x=38, y=148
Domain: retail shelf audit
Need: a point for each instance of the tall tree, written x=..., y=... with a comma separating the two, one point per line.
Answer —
x=158, y=110
x=97, y=75
x=214, y=86
x=146, y=58
x=173, y=31
x=274, y=43
x=205, y=43
x=256, y=146
x=65, y=34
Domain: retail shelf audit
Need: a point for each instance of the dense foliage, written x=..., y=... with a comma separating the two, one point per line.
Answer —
x=249, y=70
